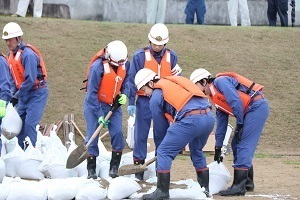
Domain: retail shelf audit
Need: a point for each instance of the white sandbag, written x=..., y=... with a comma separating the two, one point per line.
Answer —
x=4, y=190
x=28, y=167
x=26, y=190
x=219, y=177
x=2, y=169
x=61, y=189
x=122, y=187
x=2, y=150
x=11, y=123
x=91, y=190
x=104, y=169
x=12, y=161
x=151, y=170
x=127, y=159
x=58, y=171
x=193, y=190
x=10, y=145
x=80, y=170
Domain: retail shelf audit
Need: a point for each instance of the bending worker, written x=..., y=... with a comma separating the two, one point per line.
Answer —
x=192, y=122
x=107, y=77
x=30, y=90
x=5, y=87
x=163, y=62
x=235, y=95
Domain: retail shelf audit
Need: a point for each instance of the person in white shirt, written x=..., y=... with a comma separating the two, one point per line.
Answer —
x=23, y=7
x=156, y=10
x=238, y=5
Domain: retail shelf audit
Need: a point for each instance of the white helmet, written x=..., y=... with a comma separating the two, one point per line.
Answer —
x=11, y=30
x=143, y=76
x=116, y=53
x=199, y=74
x=159, y=34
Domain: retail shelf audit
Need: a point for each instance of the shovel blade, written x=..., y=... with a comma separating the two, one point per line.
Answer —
x=131, y=169
x=77, y=156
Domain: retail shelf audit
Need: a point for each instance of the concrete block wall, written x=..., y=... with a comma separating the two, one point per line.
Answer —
x=135, y=10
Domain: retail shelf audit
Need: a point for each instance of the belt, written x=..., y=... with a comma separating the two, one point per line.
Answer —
x=38, y=86
x=258, y=97
x=196, y=112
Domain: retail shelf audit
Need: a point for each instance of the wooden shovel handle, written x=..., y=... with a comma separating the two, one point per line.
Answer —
x=96, y=133
x=149, y=162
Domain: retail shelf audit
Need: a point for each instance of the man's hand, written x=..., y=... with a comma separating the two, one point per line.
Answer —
x=238, y=132
x=218, y=156
x=101, y=120
x=14, y=101
x=131, y=110
x=122, y=99
x=2, y=108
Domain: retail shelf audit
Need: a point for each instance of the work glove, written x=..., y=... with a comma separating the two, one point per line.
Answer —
x=102, y=120
x=2, y=108
x=218, y=156
x=131, y=110
x=238, y=133
x=122, y=99
x=14, y=101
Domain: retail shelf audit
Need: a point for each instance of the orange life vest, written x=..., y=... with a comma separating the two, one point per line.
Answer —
x=17, y=70
x=111, y=82
x=219, y=99
x=99, y=54
x=178, y=86
x=162, y=70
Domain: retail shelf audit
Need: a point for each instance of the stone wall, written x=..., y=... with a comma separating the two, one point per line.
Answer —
x=135, y=10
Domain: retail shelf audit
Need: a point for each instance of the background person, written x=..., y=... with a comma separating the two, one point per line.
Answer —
x=156, y=11
x=192, y=122
x=30, y=79
x=163, y=62
x=5, y=89
x=192, y=7
x=107, y=77
x=279, y=7
x=235, y=95
x=23, y=7
x=238, y=5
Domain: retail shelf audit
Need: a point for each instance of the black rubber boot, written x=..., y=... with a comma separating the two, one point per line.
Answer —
x=114, y=164
x=203, y=180
x=91, y=167
x=238, y=187
x=139, y=175
x=250, y=182
x=162, y=190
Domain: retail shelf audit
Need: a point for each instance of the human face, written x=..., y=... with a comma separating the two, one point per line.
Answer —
x=157, y=48
x=148, y=91
x=12, y=43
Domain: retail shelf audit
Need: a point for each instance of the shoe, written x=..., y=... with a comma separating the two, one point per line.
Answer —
x=15, y=15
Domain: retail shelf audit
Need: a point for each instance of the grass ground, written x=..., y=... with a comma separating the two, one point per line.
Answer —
x=269, y=56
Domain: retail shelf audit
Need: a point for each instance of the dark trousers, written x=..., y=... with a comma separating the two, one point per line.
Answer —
x=279, y=7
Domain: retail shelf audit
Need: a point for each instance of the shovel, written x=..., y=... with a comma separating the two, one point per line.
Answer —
x=133, y=169
x=81, y=153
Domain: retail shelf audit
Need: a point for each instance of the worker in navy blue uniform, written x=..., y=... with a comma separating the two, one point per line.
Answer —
x=5, y=89
x=192, y=122
x=29, y=74
x=107, y=81
x=235, y=95
x=279, y=7
x=192, y=7
x=162, y=61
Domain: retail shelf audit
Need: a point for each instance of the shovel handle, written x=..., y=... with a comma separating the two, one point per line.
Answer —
x=96, y=133
x=75, y=125
x=149, y=162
